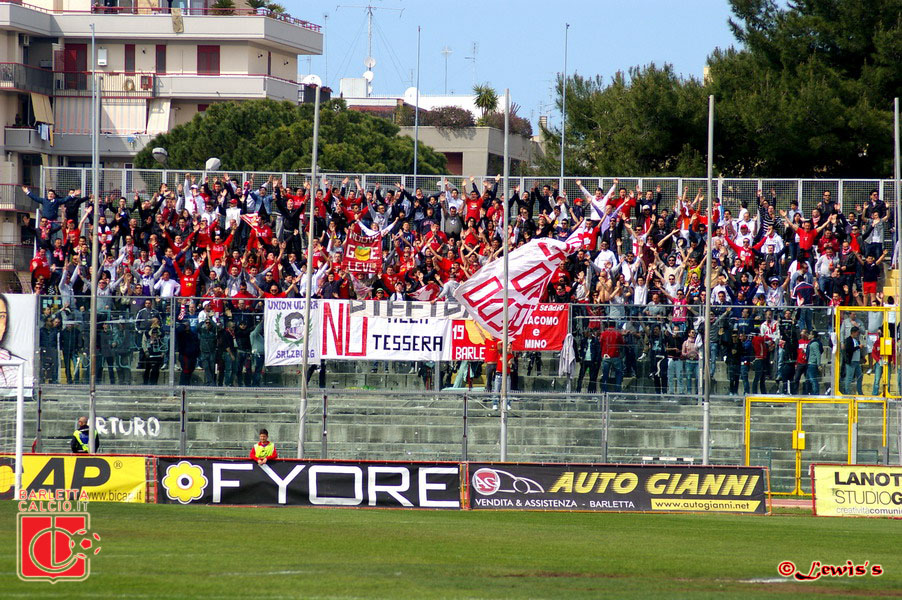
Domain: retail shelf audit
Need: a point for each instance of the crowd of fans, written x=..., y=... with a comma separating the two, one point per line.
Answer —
x=216, y=247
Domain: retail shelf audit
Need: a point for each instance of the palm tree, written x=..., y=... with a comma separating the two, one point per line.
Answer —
x=486, y=98
x=256, y=4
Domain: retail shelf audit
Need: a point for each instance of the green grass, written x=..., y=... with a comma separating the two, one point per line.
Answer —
x=176, y=552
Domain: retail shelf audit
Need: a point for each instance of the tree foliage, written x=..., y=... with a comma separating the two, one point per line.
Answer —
x=486, y=98
x=265, y=135
x=808, y=92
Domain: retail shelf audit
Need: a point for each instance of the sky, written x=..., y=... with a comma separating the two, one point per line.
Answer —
x=519, y=44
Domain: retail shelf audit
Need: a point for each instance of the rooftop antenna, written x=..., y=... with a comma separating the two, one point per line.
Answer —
x=369, y=62
x=473, y=58
x=446, y=51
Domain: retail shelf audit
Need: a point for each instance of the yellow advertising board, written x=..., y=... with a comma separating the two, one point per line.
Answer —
x=104, y=478
x=857, y=490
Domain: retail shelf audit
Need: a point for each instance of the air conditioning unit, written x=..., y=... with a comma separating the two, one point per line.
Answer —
x=146, y=82
x=24, y=39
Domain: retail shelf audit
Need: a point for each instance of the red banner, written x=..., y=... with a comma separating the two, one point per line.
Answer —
x=363, y=253
x=467, y=341
x=544, y=330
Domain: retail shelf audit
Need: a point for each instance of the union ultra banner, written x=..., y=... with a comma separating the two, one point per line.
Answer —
x=618, y=488
x=363, y=253
x=351, y=334
x=857, y=490
x=285, y=330
x=308, y=483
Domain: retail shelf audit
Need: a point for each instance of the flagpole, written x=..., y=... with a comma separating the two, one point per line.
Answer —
x=95, y=266
x=506, y=245
x=897, y=206
x=706, y=407
x=311, y=202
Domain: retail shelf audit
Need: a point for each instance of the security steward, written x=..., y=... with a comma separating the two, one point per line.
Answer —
x=264, y=450
x=80, y=437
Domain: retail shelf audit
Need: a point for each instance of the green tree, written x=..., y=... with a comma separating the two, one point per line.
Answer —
x=265, y=135
x=486, y=98
x=808, y=92
x=647, y=121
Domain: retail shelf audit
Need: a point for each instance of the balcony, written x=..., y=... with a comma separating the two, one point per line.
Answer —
x=225, y=86
x=112, y=85
x=25, y=78
x=13, y=198
x=24, y=139
x=15, y=257
x=279, y=30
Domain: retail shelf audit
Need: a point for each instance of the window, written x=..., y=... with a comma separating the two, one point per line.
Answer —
x=269, y=63
x=208, y=60
x=202, y=108
x=129, y=58
x=161, y=59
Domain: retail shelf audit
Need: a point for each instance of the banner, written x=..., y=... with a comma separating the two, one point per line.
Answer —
x=104, y=478
x=363, y=253
x=544, y=330
x=355, y=336
x=467, y=341
x=408, y=309
x=618, y=488
x=17, y=340
x=856, y=490
x=308, y=483
x=284, y=331
x=530, y=269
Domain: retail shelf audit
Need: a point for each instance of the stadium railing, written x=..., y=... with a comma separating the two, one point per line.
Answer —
x=130, y=354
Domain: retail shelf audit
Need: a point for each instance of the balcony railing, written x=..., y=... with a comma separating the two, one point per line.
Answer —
x=13, y=198
x=115, y=85
x=15, y=257
x=16, y=76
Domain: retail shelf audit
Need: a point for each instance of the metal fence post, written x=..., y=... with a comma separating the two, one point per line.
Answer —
x=172, y=342
x=464, y=450
x=605, y=418
x=39, y=434
x=324, y=453
x=183, y=425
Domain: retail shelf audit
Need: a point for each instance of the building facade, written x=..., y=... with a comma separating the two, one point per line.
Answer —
x=157, y=68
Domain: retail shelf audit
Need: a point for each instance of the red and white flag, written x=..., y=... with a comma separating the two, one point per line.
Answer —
x=426, y=293
x=530, y=269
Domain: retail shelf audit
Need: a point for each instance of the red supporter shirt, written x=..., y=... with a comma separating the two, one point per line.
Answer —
x=611, y=342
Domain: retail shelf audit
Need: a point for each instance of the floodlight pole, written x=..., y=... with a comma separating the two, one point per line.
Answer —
x=898, y=208
x=416, y=117
x=563, y=105
x=505, y=338
x=95, y=263
x=706, y=402
x=311, y=202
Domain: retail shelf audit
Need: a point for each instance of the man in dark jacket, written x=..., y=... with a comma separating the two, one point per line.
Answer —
x=49, y=343
x=71, y=343
x=589, y=360
x=80, y=437
x=853, y=354
x=208, y=333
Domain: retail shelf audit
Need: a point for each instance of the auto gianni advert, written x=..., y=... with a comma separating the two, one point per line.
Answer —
x=618, y=488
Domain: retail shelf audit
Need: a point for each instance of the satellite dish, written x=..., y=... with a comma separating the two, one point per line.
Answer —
x=213, y=164
x=410, y=92
x=368, y=75
x=160, y=155
x=369, y=62
x=312, y=80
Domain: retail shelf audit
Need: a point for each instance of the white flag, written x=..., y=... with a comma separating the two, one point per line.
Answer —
x=530, y=269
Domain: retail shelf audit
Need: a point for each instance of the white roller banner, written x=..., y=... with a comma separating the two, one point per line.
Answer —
x=349, y=334
x=285, y=329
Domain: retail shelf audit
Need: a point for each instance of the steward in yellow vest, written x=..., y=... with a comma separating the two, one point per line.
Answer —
x=264, y=450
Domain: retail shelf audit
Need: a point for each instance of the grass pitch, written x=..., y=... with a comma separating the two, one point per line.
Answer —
x=183, y=552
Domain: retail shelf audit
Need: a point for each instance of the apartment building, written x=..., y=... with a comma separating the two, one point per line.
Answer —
x=157, y=68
